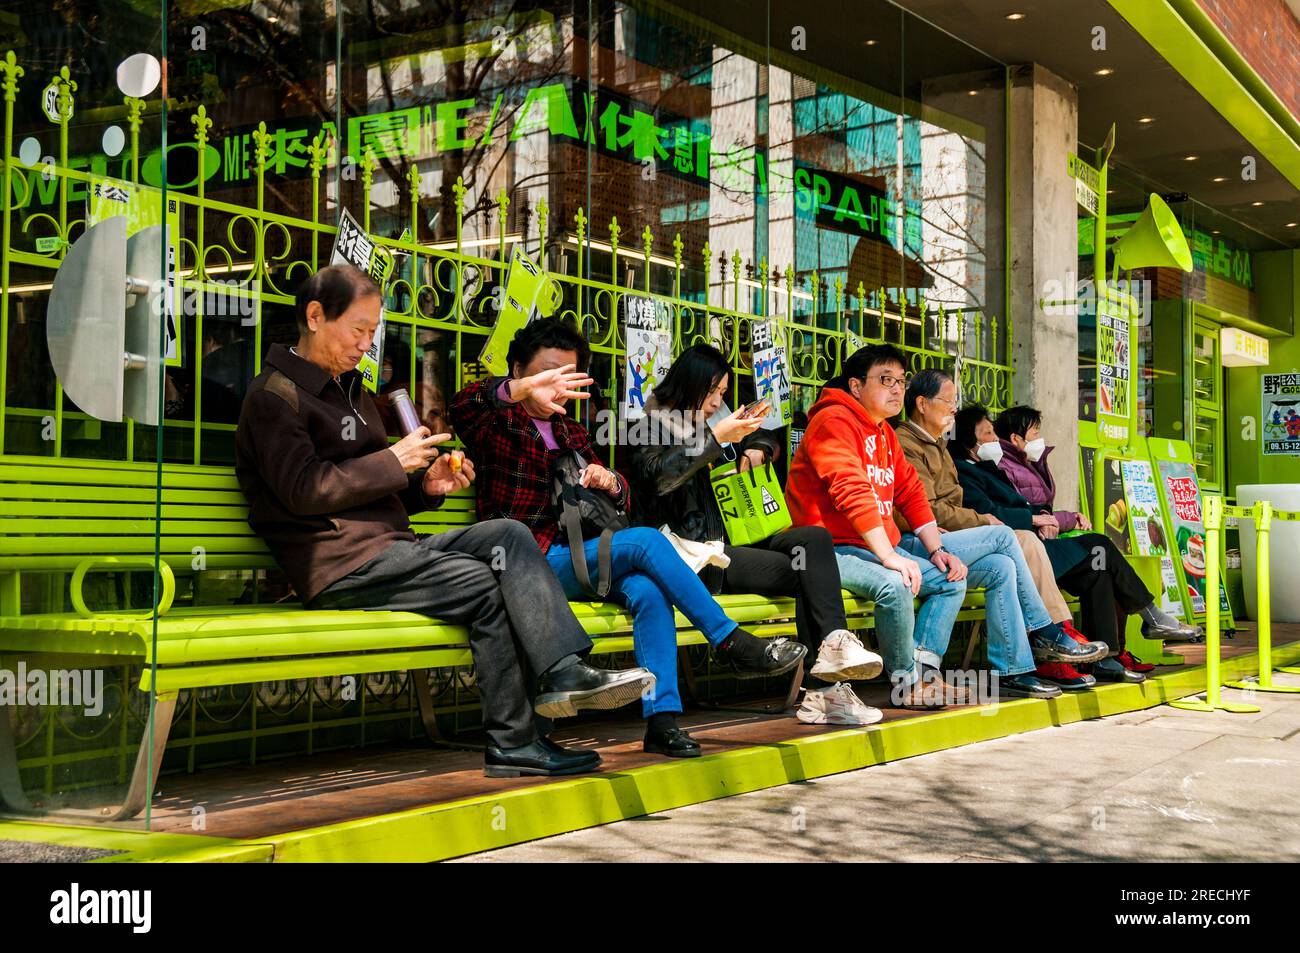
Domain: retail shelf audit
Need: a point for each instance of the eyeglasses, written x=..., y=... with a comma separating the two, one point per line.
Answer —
x=950, y=401
x=889, y=381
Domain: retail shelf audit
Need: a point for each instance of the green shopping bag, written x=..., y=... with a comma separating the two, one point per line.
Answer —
x=752, y=504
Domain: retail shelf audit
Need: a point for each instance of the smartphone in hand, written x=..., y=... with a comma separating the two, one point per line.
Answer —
x=756, y=408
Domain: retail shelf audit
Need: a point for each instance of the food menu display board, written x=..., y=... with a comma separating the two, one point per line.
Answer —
x=1146, y=523
x=1180, y=493
x=1114, y=368
x=1115, y=519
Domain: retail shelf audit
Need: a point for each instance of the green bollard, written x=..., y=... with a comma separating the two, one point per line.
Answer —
x=1263, y=523
x=1212, y=701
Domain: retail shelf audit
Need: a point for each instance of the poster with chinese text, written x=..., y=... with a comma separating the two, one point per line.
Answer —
x=771, y=375
x=1147, y=526
x=1280, y=414
x=353, y=246
x=649, y=350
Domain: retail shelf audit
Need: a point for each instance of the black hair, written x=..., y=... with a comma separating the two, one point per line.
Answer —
x=967, y=419
x=859, y=364
x=553, y=332
x=927, y=384
x=693, y=375
x=336, y=287
x=1017, y=420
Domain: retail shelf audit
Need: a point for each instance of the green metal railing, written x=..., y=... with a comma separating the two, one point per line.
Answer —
x=448, y=293
x=452, y=291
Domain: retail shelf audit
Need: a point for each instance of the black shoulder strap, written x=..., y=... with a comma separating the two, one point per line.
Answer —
x=572, y=523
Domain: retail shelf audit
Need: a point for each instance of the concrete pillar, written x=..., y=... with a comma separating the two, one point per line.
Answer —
x=1044, y=259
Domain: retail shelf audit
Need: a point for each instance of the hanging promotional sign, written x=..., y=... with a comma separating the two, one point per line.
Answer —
x=142, y=208
x=649, y=350
x=352, y=246
x=1280, y=414
x=1147, y=527
x=1087, y=183
x=1114, y=368
x=771, y=375
x=528, y=294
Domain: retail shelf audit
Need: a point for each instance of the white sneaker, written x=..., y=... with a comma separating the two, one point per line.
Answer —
x=842, y=658
x=836, y=706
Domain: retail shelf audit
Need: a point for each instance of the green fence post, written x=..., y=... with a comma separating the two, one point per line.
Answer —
x=12, y=71
x=1212, y=701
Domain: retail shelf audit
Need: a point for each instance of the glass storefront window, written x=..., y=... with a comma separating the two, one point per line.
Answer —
x=687, y=151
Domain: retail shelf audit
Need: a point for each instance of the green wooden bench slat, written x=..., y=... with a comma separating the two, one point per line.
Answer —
x=213, y=676
x=91, y=545
x=114, y=477
x=124, y=527
x=121, y=494
x=117, y=509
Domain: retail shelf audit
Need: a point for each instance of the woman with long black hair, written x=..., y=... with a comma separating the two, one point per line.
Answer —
x=671, y=470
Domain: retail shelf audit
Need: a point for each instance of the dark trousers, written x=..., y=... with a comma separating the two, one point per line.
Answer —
x=1108, y=590
x=768, y=568
x=493, y=578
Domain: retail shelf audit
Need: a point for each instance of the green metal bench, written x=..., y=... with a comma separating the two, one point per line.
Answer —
x=63, y=518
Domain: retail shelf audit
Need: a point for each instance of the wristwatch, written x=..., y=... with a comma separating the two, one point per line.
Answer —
x=941, y=549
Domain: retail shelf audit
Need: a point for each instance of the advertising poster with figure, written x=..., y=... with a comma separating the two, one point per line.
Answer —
x=528, y=294
x=1114, y=371
x=771, y=375
x=649, y=352
x=1114, y=521
x=1280, y=413
x=1182, y=495
x=142, y=207
x=353, y=246
x=1147, y=525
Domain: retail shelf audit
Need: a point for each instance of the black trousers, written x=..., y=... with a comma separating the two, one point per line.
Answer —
x=1108, y=590
x=799, y=562
x=493, y=578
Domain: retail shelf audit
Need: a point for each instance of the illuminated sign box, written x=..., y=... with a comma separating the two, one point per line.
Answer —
x=1240, y=348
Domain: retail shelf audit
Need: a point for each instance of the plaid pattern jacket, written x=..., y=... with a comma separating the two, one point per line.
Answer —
x=512, y=464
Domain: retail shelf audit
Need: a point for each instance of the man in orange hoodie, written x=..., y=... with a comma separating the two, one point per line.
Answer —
x=848, y=475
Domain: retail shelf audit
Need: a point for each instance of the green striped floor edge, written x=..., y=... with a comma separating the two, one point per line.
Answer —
x=486, y=822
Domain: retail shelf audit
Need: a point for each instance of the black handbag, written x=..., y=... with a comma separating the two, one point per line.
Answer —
x=586, y=514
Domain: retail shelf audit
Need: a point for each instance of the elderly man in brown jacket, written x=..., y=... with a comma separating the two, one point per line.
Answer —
x=332, y=499
x=930, y=402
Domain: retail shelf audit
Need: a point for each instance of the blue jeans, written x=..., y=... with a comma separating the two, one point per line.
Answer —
x=649, y=578
x=1012, y=604
x=862, y=574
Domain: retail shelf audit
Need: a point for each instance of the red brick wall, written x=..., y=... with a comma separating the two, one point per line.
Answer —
x=1267, y=34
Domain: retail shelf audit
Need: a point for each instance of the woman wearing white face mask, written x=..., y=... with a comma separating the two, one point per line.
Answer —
x=1023, y=458
x=1107, y=595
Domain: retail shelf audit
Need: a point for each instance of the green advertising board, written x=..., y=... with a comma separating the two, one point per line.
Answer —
x=1180, y=494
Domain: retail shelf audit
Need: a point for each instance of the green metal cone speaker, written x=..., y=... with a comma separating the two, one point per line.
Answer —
x=1156, y=240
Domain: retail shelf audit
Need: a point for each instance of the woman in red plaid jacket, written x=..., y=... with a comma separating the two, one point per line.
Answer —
x=515, y=428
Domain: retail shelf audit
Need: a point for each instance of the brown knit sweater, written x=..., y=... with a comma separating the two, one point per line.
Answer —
x=312, y=457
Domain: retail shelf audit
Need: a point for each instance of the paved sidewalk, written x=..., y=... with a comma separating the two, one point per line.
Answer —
x=1161, y=784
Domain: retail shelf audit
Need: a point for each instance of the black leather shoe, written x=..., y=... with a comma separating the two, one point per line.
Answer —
x=1052, y=644
x=564, y=693
x=1110, y=670
x=752, y=657
x=1176, y=633
x=673, y=742
x=543, y=757
x=1027, y=685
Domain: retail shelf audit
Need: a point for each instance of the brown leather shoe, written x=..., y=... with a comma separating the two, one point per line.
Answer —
x=929, y=692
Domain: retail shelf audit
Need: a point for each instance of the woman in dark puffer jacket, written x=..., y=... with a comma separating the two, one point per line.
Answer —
x=671, y=473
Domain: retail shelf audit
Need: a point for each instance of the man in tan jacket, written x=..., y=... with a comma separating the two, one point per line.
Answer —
x=930, y=402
